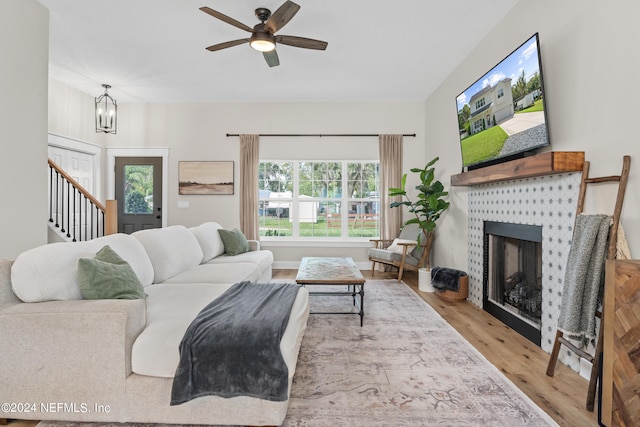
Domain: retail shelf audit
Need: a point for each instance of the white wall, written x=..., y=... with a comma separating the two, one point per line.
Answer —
x=590, y=68
x=23, y=121
x=198, y=132
x=72, y=113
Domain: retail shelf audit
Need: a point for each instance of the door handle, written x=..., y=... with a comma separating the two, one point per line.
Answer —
x=159, y=216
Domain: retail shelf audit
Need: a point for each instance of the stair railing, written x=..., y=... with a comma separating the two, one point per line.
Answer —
x=75, y=212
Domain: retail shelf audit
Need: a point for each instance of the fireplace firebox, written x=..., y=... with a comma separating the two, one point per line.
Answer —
x=513, y=276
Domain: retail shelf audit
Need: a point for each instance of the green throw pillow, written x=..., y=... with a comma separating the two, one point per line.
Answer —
x=107, y=276
x=234, y=241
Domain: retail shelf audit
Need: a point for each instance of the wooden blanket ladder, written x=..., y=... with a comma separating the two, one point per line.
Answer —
x=611, y=254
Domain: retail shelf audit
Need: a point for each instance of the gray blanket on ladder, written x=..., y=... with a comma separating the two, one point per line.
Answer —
x=584, y=277
x=232, y=347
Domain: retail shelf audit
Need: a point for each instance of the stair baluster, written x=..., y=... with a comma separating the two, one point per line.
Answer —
x=68, y=199
x=68, y=209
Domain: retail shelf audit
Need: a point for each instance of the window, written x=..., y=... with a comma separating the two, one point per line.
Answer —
x=319, y=199
x=500, y=93
x=480, y=103
x=138, y=189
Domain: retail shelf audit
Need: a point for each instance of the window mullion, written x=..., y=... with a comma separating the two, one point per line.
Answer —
x=295, y=208
x=344, y=201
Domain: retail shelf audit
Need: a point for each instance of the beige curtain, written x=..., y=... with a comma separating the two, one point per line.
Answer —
x=390, y=176
x=249, y=159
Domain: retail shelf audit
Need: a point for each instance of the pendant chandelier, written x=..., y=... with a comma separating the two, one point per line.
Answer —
x=106, y=112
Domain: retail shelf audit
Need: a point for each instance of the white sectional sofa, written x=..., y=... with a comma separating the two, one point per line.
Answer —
x=68, y=358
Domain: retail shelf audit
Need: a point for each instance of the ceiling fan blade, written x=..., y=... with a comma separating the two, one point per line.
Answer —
x=302, y=42
x=281, y=17
x=272, y=58
x=225, y=45
x=226, y=19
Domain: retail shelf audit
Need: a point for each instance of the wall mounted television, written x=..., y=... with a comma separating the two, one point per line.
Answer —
x=502, y=115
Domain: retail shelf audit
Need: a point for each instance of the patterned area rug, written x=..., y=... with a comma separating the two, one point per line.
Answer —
x=405, y=367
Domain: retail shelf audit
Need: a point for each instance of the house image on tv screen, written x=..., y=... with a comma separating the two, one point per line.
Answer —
x=491, y=105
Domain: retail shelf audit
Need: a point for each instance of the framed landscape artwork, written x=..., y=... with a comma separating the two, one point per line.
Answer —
x=205, y=178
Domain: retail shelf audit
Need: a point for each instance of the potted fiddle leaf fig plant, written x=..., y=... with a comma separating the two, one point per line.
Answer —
x=426, y=208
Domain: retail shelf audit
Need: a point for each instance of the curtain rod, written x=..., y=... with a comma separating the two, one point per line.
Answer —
x=320, y=135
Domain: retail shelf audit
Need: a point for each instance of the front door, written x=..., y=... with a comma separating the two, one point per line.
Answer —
x=138, y=190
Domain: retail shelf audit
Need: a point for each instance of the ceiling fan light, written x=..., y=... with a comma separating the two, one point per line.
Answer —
x=262, y=41
x=263, y=45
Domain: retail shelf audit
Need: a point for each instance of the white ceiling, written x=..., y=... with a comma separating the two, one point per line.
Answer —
x=154, y=51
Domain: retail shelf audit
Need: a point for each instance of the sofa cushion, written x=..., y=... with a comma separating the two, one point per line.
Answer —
x=209, y=240
x=171, y=250
x=171, y=308
x=263, y=258
x=218, y=273
x=50, y=272
x=107, y=276
x=234, y=242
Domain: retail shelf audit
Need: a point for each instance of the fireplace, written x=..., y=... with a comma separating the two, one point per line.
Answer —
x=548, y=202
x=513, y=276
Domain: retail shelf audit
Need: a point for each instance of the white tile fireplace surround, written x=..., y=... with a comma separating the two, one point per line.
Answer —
x=547, y=201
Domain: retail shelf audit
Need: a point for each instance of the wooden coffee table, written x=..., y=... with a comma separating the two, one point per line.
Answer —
x=333, y=271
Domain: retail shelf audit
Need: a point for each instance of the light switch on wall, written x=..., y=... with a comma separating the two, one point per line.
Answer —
x=183, y=204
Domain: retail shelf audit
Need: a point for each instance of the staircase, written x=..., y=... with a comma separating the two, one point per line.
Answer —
x=74, y=214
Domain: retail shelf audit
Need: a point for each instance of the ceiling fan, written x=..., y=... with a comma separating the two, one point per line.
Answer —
x=263, y=36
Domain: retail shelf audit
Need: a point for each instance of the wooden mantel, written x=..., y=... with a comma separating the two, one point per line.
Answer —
x=549, y=163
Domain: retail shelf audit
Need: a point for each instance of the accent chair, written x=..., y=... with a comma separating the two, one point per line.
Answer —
x=403, y=252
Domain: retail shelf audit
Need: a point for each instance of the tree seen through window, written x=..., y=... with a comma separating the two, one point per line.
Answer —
x=319, y=199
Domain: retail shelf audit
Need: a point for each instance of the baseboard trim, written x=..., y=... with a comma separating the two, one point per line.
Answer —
x=585, y=369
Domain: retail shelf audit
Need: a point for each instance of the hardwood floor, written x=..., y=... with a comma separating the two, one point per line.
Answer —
x=562, y=396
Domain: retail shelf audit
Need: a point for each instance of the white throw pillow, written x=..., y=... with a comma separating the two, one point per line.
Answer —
x=395, y=246
x=209, y=240
x=171, y=250
x=50, y=272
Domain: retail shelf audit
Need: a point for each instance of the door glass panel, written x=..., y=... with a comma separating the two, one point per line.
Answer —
x=138, y=189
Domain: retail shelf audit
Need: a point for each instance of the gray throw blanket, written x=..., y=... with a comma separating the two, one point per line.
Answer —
x=443, y=278
x=232, y=347
x=584, y=277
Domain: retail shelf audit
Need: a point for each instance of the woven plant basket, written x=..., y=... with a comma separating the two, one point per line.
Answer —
x=454, y=296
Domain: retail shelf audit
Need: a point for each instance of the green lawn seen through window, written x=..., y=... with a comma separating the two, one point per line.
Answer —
x=282, y=227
